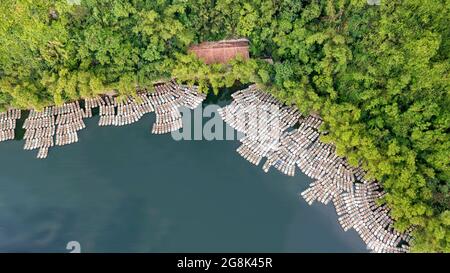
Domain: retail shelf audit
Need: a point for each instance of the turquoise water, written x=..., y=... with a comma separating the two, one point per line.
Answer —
x=122, y=189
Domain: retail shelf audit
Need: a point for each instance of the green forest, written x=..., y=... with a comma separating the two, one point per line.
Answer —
x=377, y=74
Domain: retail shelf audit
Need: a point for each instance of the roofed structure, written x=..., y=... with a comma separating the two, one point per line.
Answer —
x=221, y=51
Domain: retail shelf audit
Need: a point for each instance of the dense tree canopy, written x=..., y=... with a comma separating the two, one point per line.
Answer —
x=378, y=75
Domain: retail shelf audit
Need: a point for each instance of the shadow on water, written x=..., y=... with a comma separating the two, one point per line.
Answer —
x=19, y=131
x=224, y=94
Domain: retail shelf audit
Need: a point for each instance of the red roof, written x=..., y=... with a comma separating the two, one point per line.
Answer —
x=221, y=51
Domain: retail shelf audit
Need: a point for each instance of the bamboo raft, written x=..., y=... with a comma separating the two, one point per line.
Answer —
x=39, y=131
x=267, y=126
x=358, y=210
x=58, y=125
x=107, y=111
x=132, y=109
x=165, y=101
x=265, y=123
x=91, y=103
x=55, y=125
x=8, y=124
x=262, y=119
x=69, y=121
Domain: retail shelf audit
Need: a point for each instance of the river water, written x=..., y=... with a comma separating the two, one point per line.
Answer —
x=122, y=189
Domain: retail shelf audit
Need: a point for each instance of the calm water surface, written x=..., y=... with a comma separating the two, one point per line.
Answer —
x=122, y=189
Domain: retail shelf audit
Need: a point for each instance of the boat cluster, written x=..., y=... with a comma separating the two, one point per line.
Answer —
x=8, y=123
x=68, y=123
x=164, y=101
x=91, y=103
x=167, y=99
x=107, y=110
x=55, y=125
x=261, y=118
x=58, y=125
x=358, y=210
x=289, y=140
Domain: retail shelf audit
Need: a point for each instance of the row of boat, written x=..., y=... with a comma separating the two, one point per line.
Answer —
x=41, y=127
x=42, y=153
x=91, y=103
x=286, y=148
x=167, y=99
x=8, y=123
x=164, y=101
x=58, y=125
x=6, y=135
x=11, y=113
x=263, y=120
x=40, y=132
x=66, y=139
